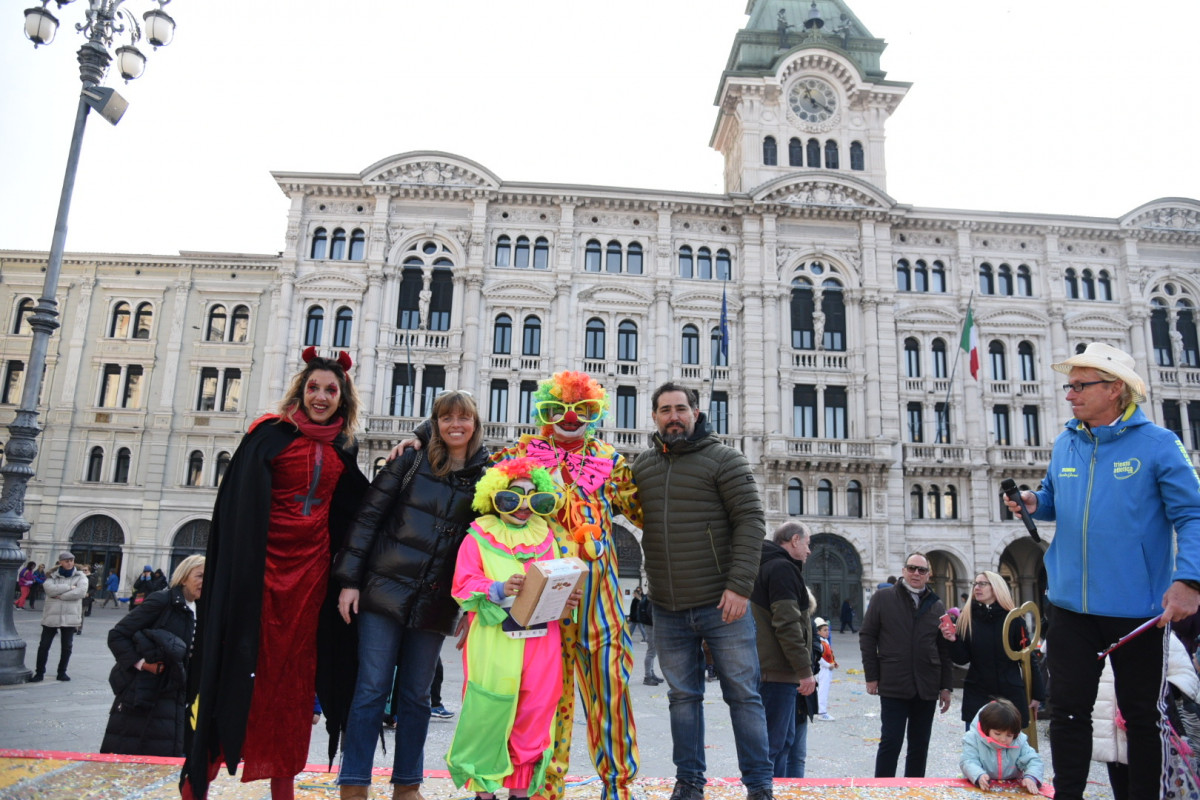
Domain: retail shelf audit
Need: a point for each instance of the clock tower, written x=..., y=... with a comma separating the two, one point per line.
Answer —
x=803, y=92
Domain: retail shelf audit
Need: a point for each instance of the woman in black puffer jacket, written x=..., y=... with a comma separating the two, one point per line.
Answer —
x=978, y=639
x=396, y=571
x=151, y=645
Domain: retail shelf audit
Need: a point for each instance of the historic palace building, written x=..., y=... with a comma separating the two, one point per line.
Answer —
x=845, y=311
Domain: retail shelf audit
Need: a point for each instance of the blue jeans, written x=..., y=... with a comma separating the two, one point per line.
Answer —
x=677, y=635
x=779, y=701
x=896, y=715
x=384, y=646
x=799, y=752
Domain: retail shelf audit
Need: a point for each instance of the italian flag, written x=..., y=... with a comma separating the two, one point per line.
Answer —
x=970, y=343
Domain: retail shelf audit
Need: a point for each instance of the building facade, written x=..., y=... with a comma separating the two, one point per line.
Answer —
x=841, y=379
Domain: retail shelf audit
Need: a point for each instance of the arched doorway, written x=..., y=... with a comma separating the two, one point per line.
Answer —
x=833, y=572
x=96, y=542
x=190, y=540
x=629, y=553
x=1022, y=566
x=946, y=579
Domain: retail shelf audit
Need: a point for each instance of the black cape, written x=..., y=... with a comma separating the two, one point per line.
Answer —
x=221, y=676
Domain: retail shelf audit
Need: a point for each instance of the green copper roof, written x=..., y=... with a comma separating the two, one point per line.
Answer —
x=758, y=47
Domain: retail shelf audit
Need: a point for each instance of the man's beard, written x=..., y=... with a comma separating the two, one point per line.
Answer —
x=675, y=436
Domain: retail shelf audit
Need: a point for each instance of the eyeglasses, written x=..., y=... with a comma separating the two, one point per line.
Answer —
x=980, y=584
x=506, y=501
x=552, y=412
x=915, y=568
x=1080, y=386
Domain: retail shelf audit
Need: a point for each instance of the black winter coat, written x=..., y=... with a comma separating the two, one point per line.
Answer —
x=147, y=717
x=992, y=673
x=402, y=548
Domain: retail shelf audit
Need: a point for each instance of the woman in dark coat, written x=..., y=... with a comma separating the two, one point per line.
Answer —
x=396, y=571
x=151, y=645
x=978, y=639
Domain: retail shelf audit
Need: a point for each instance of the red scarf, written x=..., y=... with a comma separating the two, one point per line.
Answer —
x=322, y=433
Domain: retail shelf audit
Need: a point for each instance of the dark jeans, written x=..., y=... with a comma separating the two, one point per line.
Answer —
x=915, y=715
x=779, y=700
x=64, y=656
x=1071, y=644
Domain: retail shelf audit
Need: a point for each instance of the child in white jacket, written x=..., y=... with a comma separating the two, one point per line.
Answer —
x=995, y=749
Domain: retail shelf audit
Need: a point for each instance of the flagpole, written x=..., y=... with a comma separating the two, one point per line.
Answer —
x=954, y=369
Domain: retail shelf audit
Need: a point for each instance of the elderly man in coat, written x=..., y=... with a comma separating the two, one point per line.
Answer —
x=65, y=588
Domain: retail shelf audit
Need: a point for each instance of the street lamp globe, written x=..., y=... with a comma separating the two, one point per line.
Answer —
x=160, y=28
x=40, y=25
x=130, y=62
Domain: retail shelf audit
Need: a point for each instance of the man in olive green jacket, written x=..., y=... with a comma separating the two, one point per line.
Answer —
x=702, y=536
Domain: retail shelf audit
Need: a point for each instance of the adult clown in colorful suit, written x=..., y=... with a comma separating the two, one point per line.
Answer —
x=597, y=647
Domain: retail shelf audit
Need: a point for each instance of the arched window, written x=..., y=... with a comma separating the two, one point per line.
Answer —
x=337, y=246
x=216, y=324
x=594, y=340
x=903, y=276
x=195, y=469
x=343, y=322
x=802, y=309
x=912, y=358
x=770, y=152
x=986, y=281
x=824, y=498
x=831, y=154
x=685, y=261
x=1185, y=323
x=591, y=256
x=408, y=299
x=933, y=506
x=854, y=499
x=504, y=251
x=222, y=466
x=795, y=152
x=1160, y=334
x=119, y=327
x=813, y=153
x=920, y=277
x=627, y=341
x=1103, y=286
x=950, y=503
x=541, y=253
x=142, y=321
x=704, y=264
x=857, y=161
x=1024, y=281
x=1072, y=284
x=915, y=414
x=612, y=257
x=996, y=356
x=937, y=277
x=521, y=253
x=314, y=322
x=795, y=497
x=531, y=337
x=441, y=290
x=319, y=240
x=1004, y=282
x=939, y=358
x=121, y=473
x=833, y=306
x=502, y=335
x=1088, y=285
x=916, y=504
x=358, y=245
x=633, y=258
x=95, y=467
x=724, y=265
x=241, y=324
x=24, y=309
x=690, y=351
x=719, y=359
x=1025, y=356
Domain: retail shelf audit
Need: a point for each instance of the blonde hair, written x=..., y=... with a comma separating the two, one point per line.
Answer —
x=449, y=403
x=1003, y=597
x=293, y=401
x=184, y=569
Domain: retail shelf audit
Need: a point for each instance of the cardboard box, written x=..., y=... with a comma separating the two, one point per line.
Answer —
x=548, y=586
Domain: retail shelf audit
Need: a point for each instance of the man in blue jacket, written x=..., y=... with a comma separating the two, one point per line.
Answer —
x=1118, y=485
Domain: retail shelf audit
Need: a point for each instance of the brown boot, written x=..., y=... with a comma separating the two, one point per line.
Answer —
x=407, y=792
x=354, y=792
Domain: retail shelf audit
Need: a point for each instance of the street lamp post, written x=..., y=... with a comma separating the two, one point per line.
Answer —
x=106, y=19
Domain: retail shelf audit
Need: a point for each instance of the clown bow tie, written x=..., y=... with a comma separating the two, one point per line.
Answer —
x=588, y=472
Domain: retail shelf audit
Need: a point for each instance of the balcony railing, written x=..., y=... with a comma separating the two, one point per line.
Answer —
x=811, y=359
x=916, y=453
x=422, y=340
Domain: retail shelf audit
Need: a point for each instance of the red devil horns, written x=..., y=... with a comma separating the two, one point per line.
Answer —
x=343, y=358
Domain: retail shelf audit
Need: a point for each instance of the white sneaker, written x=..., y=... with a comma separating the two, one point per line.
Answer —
x=825, y=717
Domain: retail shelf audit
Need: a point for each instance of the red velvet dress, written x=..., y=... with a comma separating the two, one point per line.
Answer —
x=279, y=725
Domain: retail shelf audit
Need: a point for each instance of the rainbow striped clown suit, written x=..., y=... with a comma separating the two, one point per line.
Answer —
x=597, y=649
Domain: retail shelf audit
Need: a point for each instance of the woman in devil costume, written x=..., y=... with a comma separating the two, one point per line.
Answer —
x=254, y=669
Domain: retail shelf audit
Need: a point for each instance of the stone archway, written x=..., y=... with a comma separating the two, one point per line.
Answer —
x=190, y=540
x=833, y=572
x=629, y=553
x=948, y=579
x=1021, y=564
x=96, y=541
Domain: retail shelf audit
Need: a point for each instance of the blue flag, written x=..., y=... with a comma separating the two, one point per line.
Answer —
x=724, y=326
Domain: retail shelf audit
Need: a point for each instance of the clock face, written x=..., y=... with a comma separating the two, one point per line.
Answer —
x=813, y=101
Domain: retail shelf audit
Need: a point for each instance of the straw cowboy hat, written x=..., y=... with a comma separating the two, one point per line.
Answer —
x=1107, y=359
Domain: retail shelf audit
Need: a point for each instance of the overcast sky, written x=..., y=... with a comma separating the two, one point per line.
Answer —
x=1071, y=106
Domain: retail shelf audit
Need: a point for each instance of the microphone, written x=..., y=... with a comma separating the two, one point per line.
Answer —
x=1009, y=487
